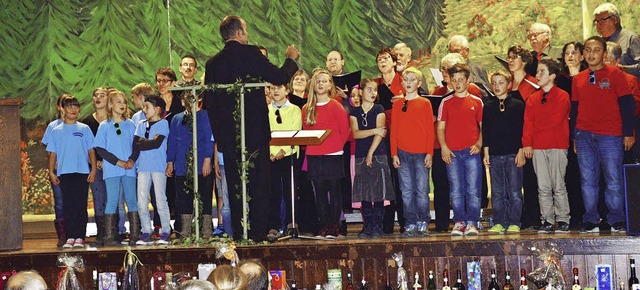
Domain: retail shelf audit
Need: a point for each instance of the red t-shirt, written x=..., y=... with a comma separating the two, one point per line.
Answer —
x=441, y=91
x=598, y=109
x=412, y=130
x=546, y=126
x=463, y=117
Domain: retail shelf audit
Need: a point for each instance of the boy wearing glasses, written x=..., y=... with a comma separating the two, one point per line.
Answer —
x=282, y=116
x=460, y=136
x=545, y=139
x=502, y=120
x=412, y=149
x=604, y=128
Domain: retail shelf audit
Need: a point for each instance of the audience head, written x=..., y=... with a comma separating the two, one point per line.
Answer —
x=539, y=35
x=606, y=19
x=234, y=28
x=518, y=58
x=188, y=67
x=403, y=55
x=196, y=285
x=614, y=52
x=257, y=275
x=386, y=60
x=299, y=83
x=595, y=49
x=225, y=277
x=26, y=280
x=572, y=56
x=459, y=44
x=335, y=62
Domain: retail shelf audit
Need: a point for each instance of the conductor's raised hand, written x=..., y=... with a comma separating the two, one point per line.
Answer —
x=292, y=52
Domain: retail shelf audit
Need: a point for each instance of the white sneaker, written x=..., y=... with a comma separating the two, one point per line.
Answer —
x=79, y=243
x=68, y=244
x=471, y=230
x=458, y=229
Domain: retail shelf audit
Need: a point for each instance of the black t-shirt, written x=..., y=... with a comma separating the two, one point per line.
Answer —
x=93, y=125
x=363, y=145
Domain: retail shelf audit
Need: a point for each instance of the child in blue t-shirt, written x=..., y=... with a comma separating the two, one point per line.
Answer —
x=114, y=143
x=151, y=140
x=57, y=192
x=72, y=165
x=178, y=147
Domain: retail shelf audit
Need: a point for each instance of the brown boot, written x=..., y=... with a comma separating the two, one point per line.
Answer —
x=60, y=232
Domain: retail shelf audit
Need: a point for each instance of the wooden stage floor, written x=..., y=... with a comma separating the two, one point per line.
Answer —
x=307, y=261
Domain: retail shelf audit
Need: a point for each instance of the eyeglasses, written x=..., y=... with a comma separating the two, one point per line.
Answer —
x=163, y=81
x=534, y=34
x=603, y=20
x=118, y=131
x=278, y=116
x=188, y=64
x=544, y=98
x=365, y=123
x=404, y=106
x=592, y=77
x=502, y=107
x=513, y=57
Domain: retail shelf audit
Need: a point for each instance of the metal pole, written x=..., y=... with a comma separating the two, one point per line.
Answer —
x=243, y=147
x=194, y=132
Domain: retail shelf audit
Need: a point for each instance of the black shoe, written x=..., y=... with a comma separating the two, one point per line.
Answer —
x=562, y=227
x=588, y=227
x=343, y=228
x=546, y=228
x=619, y=227
x=604, y=226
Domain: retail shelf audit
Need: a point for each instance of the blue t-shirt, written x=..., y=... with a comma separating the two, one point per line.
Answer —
x=154, y=160
x=46, y=138
x=71, y=143
x=137, y=117
x=121, y=146
x=368, y=119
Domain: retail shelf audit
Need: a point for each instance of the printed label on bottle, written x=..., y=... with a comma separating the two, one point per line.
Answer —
x=576, y=287
x=523, y=287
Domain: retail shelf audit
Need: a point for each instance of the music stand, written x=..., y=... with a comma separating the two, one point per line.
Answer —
x=297, y=138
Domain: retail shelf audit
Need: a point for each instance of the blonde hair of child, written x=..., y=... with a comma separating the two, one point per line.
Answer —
x=113, y=95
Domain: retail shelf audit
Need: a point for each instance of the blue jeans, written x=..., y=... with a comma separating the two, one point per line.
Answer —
x=99, y=191
x=113, y=184
x=601, y=152
x=506, y=189
x=57, y=200
x=414, y=185
x=225, y=211
x=465, y=182
x=159, y=180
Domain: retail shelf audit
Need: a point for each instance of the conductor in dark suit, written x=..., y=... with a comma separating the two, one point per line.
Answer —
x=240, y=61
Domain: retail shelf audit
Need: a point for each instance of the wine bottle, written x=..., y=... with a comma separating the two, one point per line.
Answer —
x=523, y=280
x=507, y=282
x=431, y=285
x=576, y=280
x=294, y=286
x=494, y=284
x=633, y=280
x=445, y=280
x=458, y=285
x=349, y=281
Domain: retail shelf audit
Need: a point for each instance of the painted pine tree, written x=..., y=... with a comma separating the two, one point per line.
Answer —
x=53, y=50
x=285, y=17
x=351, y=33
x=155, y=39
x=260, y=31
x=117, y=57
x=316, y=41
x=12, y=39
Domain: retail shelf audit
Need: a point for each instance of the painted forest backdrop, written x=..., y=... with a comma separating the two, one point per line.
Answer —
x=52, y=47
